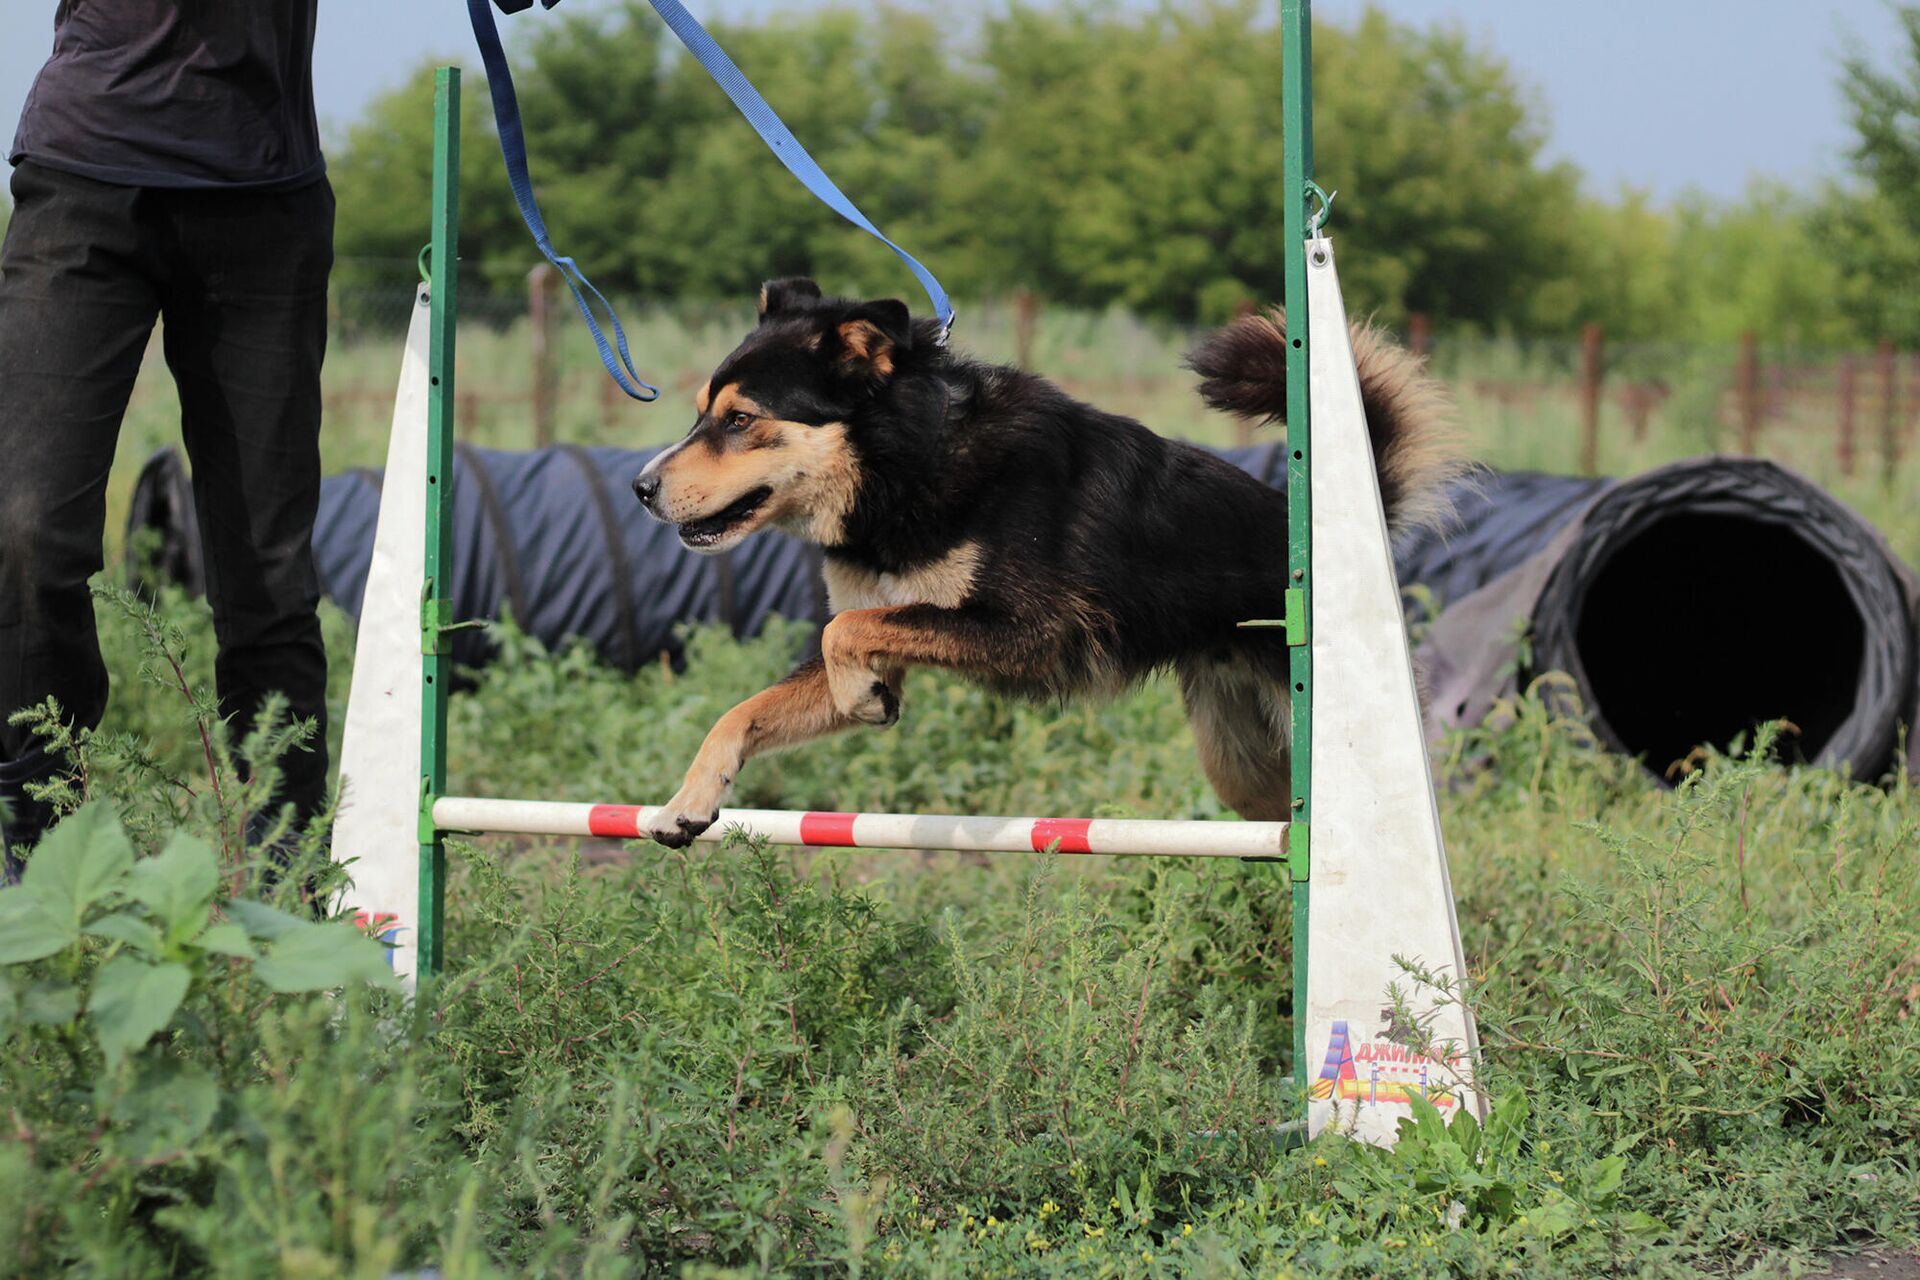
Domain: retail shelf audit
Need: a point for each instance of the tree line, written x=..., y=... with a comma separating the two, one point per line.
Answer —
x=1101, y=157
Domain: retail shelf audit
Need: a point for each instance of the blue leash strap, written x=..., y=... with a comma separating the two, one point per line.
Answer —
x=513, y=148
x=779, y=139
x=785, y=147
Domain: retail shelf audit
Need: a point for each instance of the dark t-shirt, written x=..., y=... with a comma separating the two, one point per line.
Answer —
x=177, y=93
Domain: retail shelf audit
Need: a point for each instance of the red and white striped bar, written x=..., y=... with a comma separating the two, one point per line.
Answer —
x=1116, y=836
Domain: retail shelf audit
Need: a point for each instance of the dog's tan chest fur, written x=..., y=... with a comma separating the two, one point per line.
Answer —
x=944, y=583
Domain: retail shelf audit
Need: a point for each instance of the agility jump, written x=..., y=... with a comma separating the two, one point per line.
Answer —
x=969, y=833
x=1362, y=823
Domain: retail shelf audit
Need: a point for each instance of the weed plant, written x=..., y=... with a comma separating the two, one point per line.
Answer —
x=1697, y=1006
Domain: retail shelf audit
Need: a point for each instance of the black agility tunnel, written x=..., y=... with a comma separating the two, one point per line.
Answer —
x=1688, y=604
x=554, y=536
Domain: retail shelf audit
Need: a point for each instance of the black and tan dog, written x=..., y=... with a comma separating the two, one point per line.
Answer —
x=974, y=517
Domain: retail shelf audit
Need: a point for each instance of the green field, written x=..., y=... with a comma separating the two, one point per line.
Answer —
x=1700, y=1009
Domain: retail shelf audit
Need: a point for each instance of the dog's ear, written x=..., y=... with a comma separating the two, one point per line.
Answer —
x=871, y=334
x=791, y=294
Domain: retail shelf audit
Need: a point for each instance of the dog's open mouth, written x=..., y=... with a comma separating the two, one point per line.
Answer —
x=709, y=530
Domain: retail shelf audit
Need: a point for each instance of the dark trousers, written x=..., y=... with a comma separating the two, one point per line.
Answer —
x=240, y=280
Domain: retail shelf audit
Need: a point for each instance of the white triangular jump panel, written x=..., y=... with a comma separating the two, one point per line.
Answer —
x=1379, y=886
x=377, y=827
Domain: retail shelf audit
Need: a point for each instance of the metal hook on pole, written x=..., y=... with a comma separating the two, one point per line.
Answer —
x=1317, y=218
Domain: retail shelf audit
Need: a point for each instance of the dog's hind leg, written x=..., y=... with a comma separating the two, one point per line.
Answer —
x=1241, y=722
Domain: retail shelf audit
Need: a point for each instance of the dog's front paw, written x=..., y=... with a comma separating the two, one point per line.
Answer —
x=692, y=810
x=677, y=829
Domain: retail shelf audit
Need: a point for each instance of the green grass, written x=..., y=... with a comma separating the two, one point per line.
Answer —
x=1699, y=1012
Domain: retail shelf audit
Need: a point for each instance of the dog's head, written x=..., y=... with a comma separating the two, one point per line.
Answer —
x=772, y=439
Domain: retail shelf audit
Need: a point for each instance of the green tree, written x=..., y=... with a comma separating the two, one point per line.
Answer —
x=1757, y=264
x=1072, y=149
x=382, y=174
x=1709, y=270
x=648, y=175
x=1876, y=221
x=1437, y=152
x=1622, y=277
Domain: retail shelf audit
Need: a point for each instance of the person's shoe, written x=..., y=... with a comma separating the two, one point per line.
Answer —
x=280, y=855
x=22, y=820
x=22, y=823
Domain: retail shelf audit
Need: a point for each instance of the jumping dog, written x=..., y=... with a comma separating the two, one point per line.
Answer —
x=975, y=517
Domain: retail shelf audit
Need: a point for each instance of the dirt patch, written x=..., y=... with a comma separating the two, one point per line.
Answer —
x=1878, y=1264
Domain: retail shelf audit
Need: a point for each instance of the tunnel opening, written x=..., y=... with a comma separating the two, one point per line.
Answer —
x=1700, y=627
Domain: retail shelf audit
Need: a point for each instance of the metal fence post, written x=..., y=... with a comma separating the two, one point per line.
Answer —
x=1846, y=447
x=543, y=291
x=1747, y=392
x=1026, y=320
x=1590, y=374
x=1889, y=413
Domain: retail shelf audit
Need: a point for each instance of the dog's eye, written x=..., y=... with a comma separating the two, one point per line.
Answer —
x=739, y=421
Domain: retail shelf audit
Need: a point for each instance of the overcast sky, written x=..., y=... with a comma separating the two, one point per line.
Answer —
x=1660, y=94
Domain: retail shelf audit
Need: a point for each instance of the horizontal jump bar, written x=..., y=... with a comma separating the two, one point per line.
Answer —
x=1186, y=839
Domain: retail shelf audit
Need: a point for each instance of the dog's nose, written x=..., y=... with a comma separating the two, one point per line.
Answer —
x=646, y=488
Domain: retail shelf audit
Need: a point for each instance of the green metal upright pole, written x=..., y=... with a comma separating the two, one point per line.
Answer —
x=1296, y=97
x=435, y=608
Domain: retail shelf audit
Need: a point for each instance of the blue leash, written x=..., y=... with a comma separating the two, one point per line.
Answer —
x=513, y=147
x=786, y=148
x=779, y=139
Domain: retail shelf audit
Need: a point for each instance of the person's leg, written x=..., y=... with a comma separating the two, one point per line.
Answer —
x=76, y=309
x=245, y=332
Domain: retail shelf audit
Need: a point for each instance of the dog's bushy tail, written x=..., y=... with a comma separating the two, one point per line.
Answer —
x=1416, y=450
